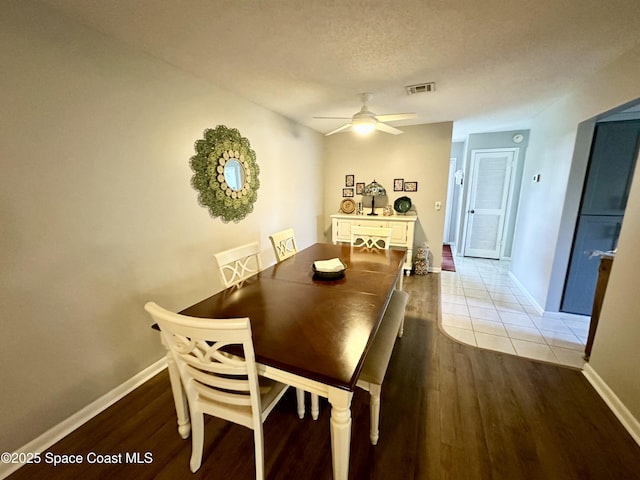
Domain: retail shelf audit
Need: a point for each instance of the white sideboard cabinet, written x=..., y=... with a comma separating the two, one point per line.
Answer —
x=402, y=230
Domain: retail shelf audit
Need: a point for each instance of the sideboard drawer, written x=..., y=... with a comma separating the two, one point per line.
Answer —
x=373, y=222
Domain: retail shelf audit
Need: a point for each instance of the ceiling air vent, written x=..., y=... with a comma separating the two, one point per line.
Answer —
x=421, y=87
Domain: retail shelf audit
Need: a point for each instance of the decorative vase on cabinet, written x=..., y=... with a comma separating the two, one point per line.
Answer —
x=402, y=230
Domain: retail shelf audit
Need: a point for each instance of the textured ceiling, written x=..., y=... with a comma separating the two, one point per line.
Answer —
x=495, y=62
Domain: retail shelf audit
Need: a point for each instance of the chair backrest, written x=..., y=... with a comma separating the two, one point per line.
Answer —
x=370, y=237
x=284, y=244
x=238, y=264
x=228, y=384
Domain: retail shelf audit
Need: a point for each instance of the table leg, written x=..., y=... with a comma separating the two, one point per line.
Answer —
x=179, y=398
x=340, y=431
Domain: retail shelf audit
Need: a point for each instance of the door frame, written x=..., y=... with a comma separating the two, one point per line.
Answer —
x=509, y=206
x=449, y=203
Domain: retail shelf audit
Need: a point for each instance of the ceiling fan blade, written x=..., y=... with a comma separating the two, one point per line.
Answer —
x=338, y=130
x=383, y=127
x=395, y=116
x=333, y=118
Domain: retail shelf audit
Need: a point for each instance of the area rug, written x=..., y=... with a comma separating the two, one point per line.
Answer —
x=448, y=264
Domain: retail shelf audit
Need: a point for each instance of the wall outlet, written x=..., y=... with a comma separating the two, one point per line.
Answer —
x=438, y=205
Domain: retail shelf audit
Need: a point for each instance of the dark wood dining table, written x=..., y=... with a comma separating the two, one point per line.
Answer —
x=310, y=333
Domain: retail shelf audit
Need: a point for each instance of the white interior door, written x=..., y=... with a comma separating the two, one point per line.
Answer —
x=488, y=201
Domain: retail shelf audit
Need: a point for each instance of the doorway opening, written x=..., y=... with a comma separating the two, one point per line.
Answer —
x=614, y=150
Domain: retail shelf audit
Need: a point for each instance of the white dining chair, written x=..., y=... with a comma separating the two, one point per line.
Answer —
x=370, y=237
x=239, y=263
x=284, y=244
x=235, y=266
x=215, y=382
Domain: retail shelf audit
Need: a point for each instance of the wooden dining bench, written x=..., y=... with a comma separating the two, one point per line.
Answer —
x=377, y=361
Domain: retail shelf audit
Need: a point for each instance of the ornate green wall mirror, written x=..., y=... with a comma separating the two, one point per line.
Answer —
x=225, y=173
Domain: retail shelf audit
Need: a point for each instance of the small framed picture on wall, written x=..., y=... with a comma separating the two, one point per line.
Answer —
x=410, y=186
x=359, y=188
x=348, y=180
x=347, y=192
x=398, y=184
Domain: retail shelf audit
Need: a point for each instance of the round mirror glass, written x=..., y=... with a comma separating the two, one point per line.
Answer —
x=234, y=174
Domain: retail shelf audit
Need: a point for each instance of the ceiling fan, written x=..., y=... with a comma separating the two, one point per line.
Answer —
x=366, y=121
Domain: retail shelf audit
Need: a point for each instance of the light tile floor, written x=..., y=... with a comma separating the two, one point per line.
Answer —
x=483, y=306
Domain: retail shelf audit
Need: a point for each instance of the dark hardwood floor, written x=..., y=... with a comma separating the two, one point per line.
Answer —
x=449, y=411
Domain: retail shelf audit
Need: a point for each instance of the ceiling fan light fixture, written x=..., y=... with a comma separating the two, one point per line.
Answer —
x=363, y=126
x=365, y=121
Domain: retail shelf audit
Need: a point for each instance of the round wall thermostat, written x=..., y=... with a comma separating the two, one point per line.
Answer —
x=517, y=138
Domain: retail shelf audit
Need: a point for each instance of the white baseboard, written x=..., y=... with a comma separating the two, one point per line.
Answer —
x=64, y=428
x=532, y=300
x=566, y=316
x=618, y=408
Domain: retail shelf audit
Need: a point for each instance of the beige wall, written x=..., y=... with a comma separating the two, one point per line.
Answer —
x=420, y=154
x=98, y=214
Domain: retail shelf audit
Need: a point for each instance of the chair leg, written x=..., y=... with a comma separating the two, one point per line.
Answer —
x=259, y=447
x=315, y=406
x=401, y=329
x=300, y=398
x=197, y=440
x=179, y=398
x=374, y=412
